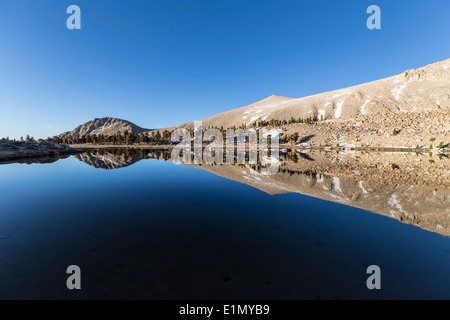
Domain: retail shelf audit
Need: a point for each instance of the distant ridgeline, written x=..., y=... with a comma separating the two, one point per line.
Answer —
x=161, y=137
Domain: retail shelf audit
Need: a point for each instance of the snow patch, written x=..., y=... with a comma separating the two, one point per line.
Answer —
x=398, y=91
x=338, y=111
x=272, y=132
x=363, y=107
x=342, y=93
x=321, y=114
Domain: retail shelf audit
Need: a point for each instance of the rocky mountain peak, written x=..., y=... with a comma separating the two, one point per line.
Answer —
x=106, y=126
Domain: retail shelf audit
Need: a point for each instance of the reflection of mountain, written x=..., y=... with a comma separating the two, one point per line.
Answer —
x=420, y=206
x=107, y=161
x=415, y=192
x=118, y=158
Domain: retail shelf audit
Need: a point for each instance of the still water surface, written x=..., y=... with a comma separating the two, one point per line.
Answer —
x=158, y=230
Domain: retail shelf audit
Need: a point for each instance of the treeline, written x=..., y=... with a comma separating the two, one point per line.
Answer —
x=28, y=138
x=278, y=123
x=161, y=138
x=156, y=138
x=141, y=153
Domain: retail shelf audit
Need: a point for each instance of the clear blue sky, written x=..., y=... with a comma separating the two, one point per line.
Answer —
x=161, y=63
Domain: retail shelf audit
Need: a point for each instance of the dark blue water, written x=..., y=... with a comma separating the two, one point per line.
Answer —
x=163, y=231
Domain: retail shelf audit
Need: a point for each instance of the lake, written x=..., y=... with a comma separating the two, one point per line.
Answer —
x=140, y=227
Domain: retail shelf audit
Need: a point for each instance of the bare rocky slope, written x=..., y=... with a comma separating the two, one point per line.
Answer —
x=415, y=103
x=426, y=129
x=105, y=126
x=424, y=89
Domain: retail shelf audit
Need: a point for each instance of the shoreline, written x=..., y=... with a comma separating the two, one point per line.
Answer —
x=282, y=147
x=17, y=150
x=382, y=165
x=23, y=154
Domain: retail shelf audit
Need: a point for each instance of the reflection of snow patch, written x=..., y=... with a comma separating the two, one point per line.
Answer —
x=393, y=201
x=336, y=197
x=273, y=160
x=303, y=144
x=348, y=152
x=320, y=178
x=342, y=145
x=362, y=187
x=337, y=184
x=104, y=159
x=401, y=147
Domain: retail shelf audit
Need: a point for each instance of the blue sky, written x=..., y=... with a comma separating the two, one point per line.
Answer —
x=161, y=63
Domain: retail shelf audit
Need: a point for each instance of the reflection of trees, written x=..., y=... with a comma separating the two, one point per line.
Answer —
x=131, y=153
x=131, y=156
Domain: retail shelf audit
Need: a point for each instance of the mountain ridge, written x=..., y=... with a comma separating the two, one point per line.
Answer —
x=107, y=126
x=421, y=89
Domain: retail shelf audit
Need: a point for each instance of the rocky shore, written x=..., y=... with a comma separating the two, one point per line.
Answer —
x=10, y=150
